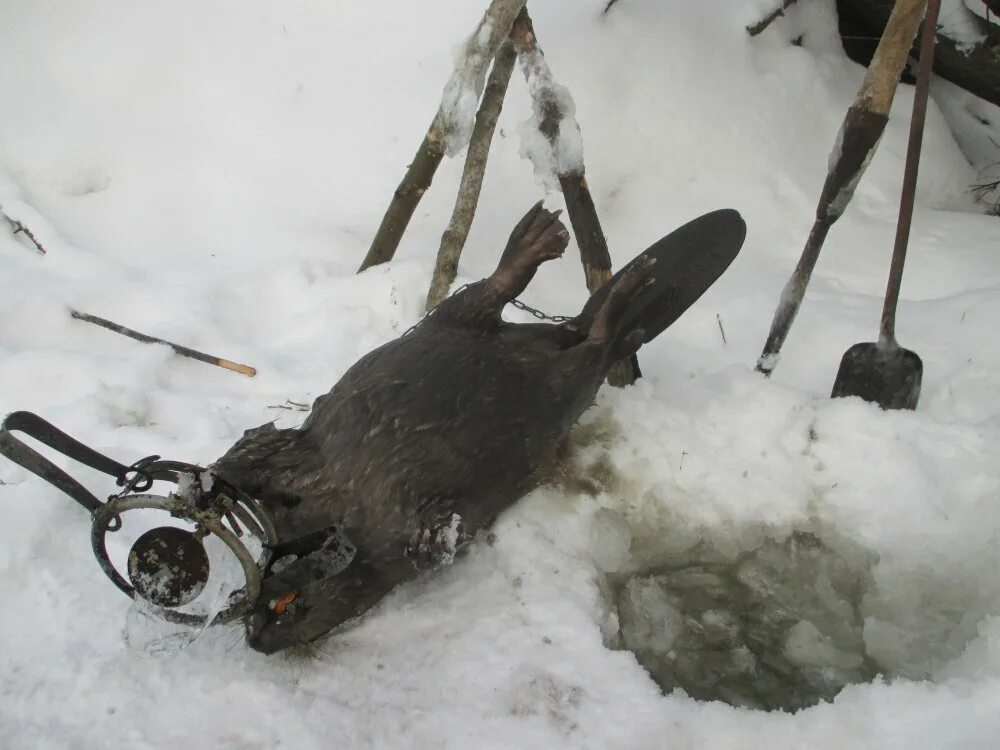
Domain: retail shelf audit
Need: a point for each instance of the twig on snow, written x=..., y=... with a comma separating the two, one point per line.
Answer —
x=983, y=190
x=19, y=228
x=294, y=406
x=762, y=24
x=182, y=350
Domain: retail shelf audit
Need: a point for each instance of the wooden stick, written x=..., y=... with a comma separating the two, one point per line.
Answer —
x=579, y=202
x=882, y=77
x=182, y=350
x=774, y=15
x=404, y=201
x=19, y=228
x=480, y=49
x=454, y=237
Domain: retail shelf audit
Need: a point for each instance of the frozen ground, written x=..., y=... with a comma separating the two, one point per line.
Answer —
x=213, y=172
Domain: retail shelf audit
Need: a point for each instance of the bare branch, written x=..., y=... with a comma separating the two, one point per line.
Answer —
x=290, y=405
x=988, y=192
x=19, y=228
x=762, y=24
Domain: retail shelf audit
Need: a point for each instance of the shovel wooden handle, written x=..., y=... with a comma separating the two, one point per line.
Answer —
x=865, y=120
x=879, y=87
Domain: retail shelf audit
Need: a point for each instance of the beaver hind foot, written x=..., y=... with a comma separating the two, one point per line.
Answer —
x=609, y=322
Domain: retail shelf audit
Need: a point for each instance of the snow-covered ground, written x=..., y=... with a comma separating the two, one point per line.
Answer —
x=212, y=173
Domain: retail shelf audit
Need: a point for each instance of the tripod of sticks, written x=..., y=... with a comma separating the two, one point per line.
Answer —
x=504, y=36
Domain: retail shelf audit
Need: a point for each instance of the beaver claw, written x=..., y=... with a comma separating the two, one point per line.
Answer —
x=538, y=237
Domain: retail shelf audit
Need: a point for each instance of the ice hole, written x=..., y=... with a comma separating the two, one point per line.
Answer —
x=782, y=627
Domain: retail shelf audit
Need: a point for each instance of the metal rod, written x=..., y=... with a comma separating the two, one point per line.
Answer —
x=887, y=332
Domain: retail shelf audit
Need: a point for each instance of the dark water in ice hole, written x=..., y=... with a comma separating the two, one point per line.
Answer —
x=778, y=629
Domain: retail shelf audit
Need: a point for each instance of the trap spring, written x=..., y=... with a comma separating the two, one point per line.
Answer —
x=167, y=566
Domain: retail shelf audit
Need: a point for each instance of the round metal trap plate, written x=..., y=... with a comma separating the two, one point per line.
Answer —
x=168, y=566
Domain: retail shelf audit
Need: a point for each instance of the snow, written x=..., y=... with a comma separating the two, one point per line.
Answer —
x=959, y=22
x=460, y=100
x=207, y=480
x=981, y=9
x=211, y=173
x=976, y=125
x=565, y=154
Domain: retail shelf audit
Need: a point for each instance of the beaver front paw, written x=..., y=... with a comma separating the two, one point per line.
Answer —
x=436, y=546
x=538, y=237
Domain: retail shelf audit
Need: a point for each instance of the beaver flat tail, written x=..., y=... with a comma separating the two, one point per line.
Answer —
x=687, y=262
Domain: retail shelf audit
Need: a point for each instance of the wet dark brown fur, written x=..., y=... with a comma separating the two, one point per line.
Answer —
x=456, y=420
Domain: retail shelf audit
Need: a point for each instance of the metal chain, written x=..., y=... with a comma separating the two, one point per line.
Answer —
x=136, y=478
x=538, y=313
x=515, y=302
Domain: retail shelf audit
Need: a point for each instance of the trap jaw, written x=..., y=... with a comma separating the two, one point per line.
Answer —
x=167, y=566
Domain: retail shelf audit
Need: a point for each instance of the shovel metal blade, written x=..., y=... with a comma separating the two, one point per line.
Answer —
x=887, y=376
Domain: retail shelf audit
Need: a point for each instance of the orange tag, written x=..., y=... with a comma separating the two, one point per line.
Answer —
x=279, y=604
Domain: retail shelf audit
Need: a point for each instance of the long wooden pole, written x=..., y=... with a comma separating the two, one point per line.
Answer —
x=572, y=179
x=454, y=237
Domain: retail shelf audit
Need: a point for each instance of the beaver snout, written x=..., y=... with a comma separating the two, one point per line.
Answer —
x=278, y=624
x=304, y=611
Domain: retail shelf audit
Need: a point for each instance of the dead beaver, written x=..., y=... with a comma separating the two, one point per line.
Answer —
x=427, y=439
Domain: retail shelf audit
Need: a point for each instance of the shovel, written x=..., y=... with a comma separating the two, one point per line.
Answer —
x=856, y=143
x=884, y=373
